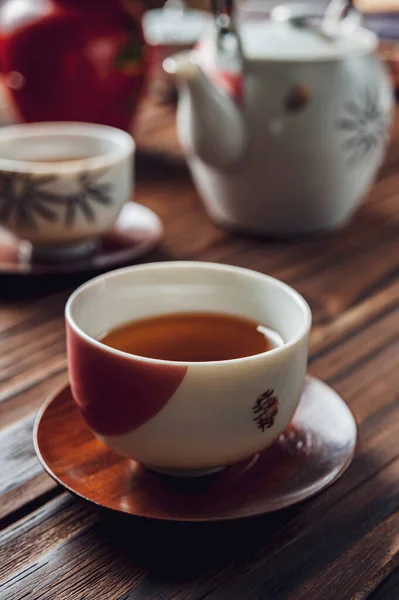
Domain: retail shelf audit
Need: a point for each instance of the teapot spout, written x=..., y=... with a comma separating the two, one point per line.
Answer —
x=210, y=123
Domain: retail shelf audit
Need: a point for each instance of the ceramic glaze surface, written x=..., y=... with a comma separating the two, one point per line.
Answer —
x=56, y=203
x=176, y=415
x=288, y=138
x=280, y=41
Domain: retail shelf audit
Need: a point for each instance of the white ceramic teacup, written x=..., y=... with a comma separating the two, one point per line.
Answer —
x=63, y=185
x=175, y=416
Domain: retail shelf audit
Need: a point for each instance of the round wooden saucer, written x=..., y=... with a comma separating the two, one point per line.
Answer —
x=137, y=231
x=315, y=450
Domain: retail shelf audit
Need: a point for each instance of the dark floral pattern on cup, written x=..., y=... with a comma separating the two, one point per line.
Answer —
x=364, y=125
x=265, y=410
x=24, y=198
x=90, y=193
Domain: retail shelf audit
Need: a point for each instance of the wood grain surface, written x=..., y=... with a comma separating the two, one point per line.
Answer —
x=342, y=545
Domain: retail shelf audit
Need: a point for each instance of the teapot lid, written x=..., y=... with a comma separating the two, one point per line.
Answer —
x=292, y=33
x=174, y=25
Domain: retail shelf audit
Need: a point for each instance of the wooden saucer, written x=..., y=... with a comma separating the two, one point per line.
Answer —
x=137, y=232
x=315, y=450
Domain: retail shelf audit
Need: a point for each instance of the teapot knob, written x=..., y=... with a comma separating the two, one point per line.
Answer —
x=223, y=11
x=225, y=7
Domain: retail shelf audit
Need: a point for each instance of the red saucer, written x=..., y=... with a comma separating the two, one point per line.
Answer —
x=137, y=232
x=313, y=453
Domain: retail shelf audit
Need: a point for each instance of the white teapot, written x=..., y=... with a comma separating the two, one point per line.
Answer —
x=284, y=121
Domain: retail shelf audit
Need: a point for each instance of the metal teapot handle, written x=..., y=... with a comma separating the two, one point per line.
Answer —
x=229, y=47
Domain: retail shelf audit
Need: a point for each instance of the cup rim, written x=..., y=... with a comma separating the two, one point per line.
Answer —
x=124, y=140
x=189, y=264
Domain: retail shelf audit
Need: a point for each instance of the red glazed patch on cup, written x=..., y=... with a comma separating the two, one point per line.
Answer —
x=118, y=394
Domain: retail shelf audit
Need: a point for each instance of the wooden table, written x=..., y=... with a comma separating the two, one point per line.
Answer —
x=343, y=544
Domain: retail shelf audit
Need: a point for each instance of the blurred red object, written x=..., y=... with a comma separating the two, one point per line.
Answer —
x=73, y=60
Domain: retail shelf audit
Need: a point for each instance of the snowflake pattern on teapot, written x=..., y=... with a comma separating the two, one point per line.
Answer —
x=364, y=125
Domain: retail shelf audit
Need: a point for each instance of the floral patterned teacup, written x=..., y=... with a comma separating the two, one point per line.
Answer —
x=186, y=418
x=63, y=185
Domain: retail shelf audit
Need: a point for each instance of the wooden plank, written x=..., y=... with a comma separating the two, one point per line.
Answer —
x=19, y=459
x=389, y=587
x=33, y=375
x=22, y=403
x=354, y=319
x=367, y=342
x=283, y=570
x=18, y=316
x=361, y=569
x=64, y=514
x=49, y=554
x=331, y=358
x=22, y=479
x=32, y=346
x=379, y=446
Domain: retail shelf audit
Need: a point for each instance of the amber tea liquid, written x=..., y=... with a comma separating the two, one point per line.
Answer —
x=193, y=337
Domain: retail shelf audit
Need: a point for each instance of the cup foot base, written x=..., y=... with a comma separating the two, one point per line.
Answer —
x=185, y=472
x=57, y=254
x=313, y=230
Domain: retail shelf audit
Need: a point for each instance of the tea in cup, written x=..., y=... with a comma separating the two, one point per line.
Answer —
x=187, y=367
